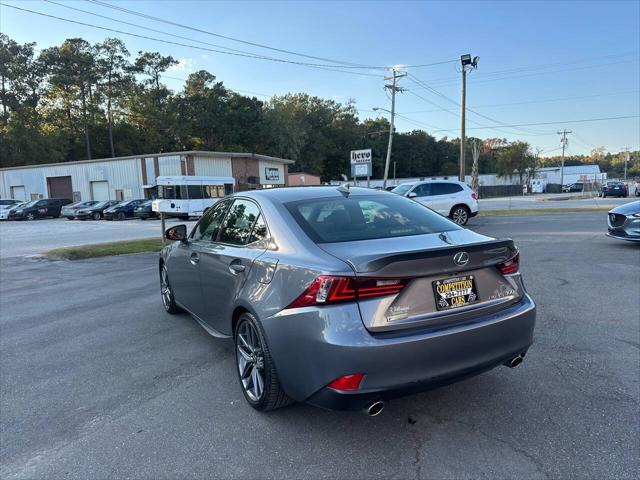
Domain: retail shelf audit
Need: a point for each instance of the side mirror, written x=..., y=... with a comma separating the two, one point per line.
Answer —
x=412, y=195
x=179, y=233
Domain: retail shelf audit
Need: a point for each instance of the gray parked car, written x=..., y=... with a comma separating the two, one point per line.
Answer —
x=624, y=222
x=343, y=298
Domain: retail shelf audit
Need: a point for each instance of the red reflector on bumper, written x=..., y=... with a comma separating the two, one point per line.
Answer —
x=347, y=383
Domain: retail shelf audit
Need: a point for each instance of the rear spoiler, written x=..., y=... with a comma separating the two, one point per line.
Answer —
x=436, y=260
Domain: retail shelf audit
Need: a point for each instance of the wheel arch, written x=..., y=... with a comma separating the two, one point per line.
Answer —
x=463, y=205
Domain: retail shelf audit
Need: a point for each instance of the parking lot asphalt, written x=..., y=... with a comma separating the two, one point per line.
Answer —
x=551, y=201
x=97, y=381
x=19, y=238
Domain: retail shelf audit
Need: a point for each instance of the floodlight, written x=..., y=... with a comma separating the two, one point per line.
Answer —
x=465, y=59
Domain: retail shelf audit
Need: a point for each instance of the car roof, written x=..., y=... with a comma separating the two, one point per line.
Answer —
x=294, y=194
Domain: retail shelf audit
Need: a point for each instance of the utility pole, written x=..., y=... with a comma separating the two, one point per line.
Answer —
x=626, y=161
x=467, y=64
x=564, y=144
x=394, y=88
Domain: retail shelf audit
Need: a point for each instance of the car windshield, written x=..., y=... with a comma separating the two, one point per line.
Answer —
x=402, y=189
x=30, y=204
x=102, y=204
x=331, y=220
x=145, y=204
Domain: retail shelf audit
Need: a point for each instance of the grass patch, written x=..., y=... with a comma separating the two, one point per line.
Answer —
x=542, y=211
x=105, y=249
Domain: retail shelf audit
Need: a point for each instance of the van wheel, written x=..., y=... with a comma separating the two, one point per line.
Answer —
x=459, y=214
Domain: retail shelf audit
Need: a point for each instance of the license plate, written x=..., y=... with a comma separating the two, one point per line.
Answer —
x=455, y=292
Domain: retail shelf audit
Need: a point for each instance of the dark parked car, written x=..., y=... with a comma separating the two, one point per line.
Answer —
x=624, y=222
x=122, y=210
x=614, y=189
x=69, y=211
x=47, y=207
x=144, y=211
x=95, y=212
x=574, y=187
x=343, y=298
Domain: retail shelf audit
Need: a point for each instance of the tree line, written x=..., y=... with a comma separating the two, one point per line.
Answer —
x=80, y=101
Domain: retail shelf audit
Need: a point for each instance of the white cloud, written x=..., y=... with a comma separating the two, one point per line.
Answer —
x=183, y=65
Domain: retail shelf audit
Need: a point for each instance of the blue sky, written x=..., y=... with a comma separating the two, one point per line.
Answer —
x=540, y=61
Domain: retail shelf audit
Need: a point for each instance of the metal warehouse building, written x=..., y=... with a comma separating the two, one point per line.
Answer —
x=124, y=178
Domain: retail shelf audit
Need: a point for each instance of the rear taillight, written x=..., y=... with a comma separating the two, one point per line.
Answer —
x=348, y=383
x=510, y=266
x=327, y=289
x=474, y=195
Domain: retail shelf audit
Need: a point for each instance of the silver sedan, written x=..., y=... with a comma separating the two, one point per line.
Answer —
x=346, y=297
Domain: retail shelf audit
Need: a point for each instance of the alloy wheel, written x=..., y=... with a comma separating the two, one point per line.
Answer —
x=31, y=216
x=250, y=361
x=460, y=216
x=165, y=289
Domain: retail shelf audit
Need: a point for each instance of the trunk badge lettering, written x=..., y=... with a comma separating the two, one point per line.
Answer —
x=461, y=259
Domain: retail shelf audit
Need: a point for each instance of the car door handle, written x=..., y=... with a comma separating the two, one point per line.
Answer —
x=194, y=258
x=236, y=268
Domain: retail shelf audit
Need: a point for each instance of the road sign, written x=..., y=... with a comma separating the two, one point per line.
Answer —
x=361, y=163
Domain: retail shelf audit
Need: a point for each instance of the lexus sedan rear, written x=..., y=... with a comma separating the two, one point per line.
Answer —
x=344, y=298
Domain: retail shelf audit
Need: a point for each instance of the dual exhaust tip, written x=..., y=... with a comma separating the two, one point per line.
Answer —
x=375, y=408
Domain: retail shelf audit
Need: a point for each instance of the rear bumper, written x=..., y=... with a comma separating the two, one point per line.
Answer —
x=312, y=347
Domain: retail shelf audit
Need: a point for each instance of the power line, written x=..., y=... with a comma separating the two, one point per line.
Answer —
x=318, y=66
x=529, y=102
x=584, y=120
x=341, y=63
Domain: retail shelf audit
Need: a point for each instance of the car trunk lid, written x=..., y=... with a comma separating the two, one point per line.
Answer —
x=424, y=262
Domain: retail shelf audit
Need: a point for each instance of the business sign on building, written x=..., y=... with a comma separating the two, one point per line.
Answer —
x=361, y=163
x=271, y=173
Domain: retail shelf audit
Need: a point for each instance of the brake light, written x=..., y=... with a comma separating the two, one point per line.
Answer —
x=474, y=195
x=510, y=266
x=347, y=383
x=328, y=289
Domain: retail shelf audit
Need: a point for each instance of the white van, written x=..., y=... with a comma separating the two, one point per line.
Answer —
x=190, y=196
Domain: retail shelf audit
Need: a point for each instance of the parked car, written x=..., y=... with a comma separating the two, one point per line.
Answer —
x=122, y=210
x=95, y=212
x=450, y=198
x=5, y=210
x=9, y=202
x=345, y=297
x=614, y=189
x=574, y=187
x=46, y=207
x=144, y=211
x=624, y=222
x=70, y=211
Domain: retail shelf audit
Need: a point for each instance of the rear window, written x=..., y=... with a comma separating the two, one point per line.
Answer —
x=365, y=218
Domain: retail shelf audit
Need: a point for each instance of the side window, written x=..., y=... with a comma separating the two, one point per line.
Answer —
x=259, y=230
x=195, y=191
x=438, y=188
x=449, y=188
x=423, y=190
x=239, y=222
x=208, y=226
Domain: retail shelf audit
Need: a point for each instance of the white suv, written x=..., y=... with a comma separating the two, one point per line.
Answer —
x=450, y=198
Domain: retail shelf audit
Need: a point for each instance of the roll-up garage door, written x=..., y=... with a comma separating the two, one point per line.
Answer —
x=60, y=187
x=18, y=193
x=100, y=190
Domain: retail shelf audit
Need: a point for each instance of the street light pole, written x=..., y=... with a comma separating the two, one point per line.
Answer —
x=467, y=63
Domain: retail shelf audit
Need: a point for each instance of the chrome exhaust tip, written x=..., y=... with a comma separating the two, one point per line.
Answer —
x=515, y=361
x=374, y=408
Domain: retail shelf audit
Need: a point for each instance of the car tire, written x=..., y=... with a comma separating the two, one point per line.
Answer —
x=460, y=214
x=142, y=218
x=30, y=216
x=70, y=218
x=166, y=293
x=256, y=370
x=121, y=216
x=96, y=216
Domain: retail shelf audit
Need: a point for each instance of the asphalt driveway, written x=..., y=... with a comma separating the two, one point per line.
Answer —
x=97, y=381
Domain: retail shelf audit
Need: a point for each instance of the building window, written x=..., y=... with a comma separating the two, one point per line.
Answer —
x=119, y=195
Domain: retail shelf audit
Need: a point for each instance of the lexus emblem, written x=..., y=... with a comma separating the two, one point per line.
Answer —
x=461, y=259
